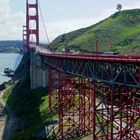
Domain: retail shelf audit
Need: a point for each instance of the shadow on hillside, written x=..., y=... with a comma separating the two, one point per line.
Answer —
x=23, y=109
x=26, y=109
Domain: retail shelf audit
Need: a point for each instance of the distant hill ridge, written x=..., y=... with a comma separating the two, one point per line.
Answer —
x=13, y=46
x=121, y=31
x=10, y=46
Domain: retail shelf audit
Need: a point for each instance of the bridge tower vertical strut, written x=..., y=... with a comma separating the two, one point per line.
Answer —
x=32, y=18
x=24, y=38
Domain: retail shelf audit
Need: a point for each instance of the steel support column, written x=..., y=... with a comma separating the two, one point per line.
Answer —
x=54, y=77
x=116, y=113
x=75, y=107
x=109, y=107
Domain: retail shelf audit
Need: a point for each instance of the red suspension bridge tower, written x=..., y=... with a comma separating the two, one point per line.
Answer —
x=32, y=18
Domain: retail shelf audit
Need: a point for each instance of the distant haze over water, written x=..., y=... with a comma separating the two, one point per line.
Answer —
x=8, y=60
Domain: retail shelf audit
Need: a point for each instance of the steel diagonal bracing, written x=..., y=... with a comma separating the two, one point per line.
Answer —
x=132, y=73
x=109, y=106
x=107, y=72
x=116, y=113
x=75, y=107
x=53, y=86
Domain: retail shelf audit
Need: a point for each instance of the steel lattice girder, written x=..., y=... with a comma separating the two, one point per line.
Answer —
x=126, y=74
x=53, y=84
x=116, y=113
x=114, y=105
x=75, y=107
x=112, y=112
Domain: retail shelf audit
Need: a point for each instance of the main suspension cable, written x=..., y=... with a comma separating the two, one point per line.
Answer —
x=46, y=33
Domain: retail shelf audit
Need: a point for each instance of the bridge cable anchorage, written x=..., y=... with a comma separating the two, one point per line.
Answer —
x=47, y=36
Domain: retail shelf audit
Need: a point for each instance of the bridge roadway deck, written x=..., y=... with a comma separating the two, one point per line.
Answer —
x=112, y=69
x=99, y=57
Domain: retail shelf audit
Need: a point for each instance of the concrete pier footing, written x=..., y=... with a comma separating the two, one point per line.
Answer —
x=38, y=71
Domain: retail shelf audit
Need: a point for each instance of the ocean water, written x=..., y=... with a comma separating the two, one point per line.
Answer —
x=8, y=60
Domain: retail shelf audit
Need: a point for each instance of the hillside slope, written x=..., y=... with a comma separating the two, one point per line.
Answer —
x=121, y=31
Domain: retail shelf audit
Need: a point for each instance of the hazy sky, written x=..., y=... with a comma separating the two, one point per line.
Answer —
x=60, y=16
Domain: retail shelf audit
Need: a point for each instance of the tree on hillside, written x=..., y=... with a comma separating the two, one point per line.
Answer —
x=119, y=7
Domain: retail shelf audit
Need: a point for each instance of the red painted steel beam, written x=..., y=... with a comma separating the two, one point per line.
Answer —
x=99, y=58
x=92, y=57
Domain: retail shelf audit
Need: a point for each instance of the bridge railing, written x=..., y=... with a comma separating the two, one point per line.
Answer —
x=99, y=57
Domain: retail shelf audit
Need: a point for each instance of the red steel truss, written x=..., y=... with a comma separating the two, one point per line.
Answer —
x=101, y=97
x=75, y=107
x=85, y=107
x=53, y=86
x=116, y=113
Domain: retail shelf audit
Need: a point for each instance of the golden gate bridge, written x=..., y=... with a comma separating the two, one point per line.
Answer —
x=96, y=94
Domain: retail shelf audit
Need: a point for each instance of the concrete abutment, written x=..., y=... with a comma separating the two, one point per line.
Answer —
x=38, y=70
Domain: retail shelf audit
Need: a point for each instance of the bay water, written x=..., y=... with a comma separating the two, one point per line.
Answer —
x=8, y=60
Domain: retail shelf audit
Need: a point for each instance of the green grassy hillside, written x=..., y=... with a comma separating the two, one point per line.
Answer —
x=121, y=29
